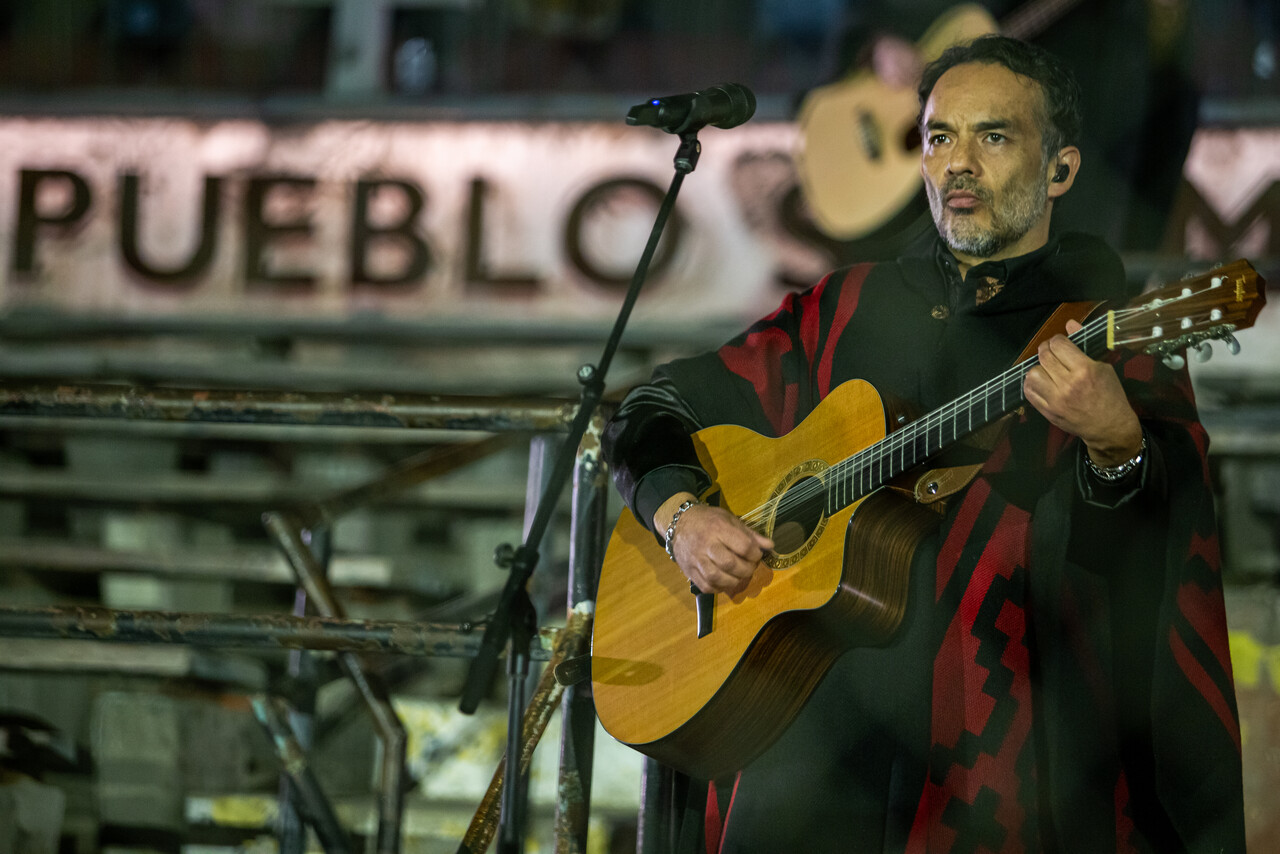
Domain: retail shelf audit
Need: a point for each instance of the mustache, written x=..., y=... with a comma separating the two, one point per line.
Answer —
x=967, y=184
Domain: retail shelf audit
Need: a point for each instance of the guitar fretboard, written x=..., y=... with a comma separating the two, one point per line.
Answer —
x=876, y=465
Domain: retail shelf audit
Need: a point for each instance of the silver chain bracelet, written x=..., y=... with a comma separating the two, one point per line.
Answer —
x=1111, y=474
x=671, y=529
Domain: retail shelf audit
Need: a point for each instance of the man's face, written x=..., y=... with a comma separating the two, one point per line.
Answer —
x=984, y=170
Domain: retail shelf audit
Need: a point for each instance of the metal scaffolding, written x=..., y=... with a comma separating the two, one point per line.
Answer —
x=301, y=534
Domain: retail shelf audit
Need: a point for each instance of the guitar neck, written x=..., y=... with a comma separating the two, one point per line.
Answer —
x=925, y=438
x=1034, y=17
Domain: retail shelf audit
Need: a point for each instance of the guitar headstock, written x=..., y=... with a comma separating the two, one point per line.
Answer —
x=1191, y=312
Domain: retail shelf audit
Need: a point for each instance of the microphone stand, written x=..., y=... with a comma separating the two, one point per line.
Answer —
x=514, y=619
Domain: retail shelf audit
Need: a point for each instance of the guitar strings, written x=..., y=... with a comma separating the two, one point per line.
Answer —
x=846, y=481
x=863, y=472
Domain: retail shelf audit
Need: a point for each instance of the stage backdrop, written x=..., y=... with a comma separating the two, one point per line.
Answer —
x=536, y=221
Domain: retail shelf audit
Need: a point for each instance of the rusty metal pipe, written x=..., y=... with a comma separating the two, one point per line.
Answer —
x=310, y=799
x=289, y=536
x=417, y=469
x=395, y=741
x=453, y=412
x=571, y=642
x=276, y=631
x=577, y=709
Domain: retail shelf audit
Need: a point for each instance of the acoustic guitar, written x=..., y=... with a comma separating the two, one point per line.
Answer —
x=859, y=153
x=705, y=683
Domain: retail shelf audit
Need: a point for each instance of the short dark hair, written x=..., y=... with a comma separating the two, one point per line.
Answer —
x=1061, y=116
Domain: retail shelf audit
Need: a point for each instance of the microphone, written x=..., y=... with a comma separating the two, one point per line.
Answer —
x=724, y=106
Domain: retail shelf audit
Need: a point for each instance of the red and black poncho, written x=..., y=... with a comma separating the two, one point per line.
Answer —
x=1062, y=680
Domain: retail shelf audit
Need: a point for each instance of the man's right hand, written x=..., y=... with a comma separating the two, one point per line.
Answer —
x=714, y=548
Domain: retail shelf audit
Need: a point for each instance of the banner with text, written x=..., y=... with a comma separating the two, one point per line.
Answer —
x=503, y=220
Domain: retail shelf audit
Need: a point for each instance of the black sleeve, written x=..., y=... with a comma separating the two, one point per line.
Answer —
x=648, y=448
x=1146, y=482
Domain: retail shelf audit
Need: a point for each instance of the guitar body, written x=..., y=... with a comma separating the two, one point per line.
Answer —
x=860, y=160
x=707, y=705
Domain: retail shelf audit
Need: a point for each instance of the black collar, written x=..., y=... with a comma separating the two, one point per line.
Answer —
x=988, y=278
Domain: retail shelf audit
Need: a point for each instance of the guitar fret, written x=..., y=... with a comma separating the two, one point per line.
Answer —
x=900, y=451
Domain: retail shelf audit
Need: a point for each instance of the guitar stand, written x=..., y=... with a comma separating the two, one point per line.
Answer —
x=514, y=620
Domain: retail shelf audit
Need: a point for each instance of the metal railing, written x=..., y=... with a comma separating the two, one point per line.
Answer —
x=301, y=534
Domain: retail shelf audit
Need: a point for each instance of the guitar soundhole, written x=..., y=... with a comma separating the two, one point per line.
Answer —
x=869, y=133
x=789, y=536
x=800, y=516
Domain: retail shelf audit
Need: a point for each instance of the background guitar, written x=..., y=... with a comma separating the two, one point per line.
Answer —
x=859, y=155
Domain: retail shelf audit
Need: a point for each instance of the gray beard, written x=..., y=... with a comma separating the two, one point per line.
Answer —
x=962, y=234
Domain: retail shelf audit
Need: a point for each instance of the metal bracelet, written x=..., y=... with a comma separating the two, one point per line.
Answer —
x=671, y=529
x=1111, y=474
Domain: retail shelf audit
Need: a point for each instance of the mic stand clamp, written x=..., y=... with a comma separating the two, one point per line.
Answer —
x=514, y=620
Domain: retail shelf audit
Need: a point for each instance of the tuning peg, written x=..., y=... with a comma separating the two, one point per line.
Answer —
x=1203, y=351
x=1174, y=362
x=1233, y=346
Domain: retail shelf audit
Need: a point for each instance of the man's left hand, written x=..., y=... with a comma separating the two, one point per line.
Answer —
x=1084, y=397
